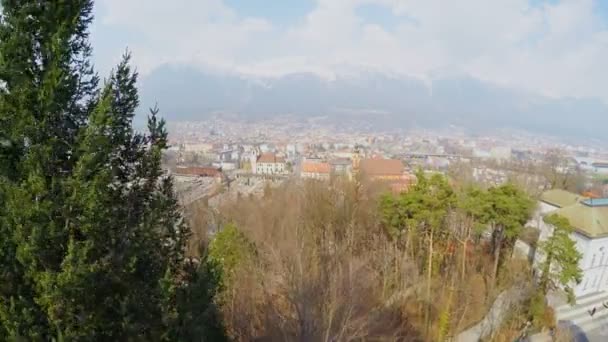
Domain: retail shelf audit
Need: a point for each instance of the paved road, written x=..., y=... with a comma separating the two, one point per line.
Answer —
x=597, y=335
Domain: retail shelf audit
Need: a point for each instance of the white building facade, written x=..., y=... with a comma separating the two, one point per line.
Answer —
x=269, y=164
x=313, y=170
x=272, y=168
x=588, y=219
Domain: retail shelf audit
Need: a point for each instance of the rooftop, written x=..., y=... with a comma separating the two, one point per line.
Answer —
x=315, y=167
x=270, y=158
x=600, y=165
x=560, y=198
x=595, y=202
x=591, y=221
x=378, y=167
x=588, y=216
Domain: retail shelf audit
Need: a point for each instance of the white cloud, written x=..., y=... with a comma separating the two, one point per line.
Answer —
x=184, y=31
x=556, y=49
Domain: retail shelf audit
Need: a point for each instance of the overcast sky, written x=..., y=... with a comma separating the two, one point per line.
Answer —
x=556, y=48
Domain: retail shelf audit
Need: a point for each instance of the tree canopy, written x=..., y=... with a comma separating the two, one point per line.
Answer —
x=560, y=266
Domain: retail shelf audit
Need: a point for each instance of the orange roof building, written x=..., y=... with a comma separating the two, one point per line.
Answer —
x=315, y=167
x=269, y=164
x=270, y=158
x=381, y=168
x=315, y=170
x=391, y=171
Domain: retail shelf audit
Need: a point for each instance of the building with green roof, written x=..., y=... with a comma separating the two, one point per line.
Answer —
x=560, y=198
x=589, y=217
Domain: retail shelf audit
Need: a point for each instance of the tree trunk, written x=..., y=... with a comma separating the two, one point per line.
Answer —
x=497, y=249
x=494, y=237
x=428, y=284
x=397, y=264
x=464, y=258
x=465, y=244
x=407, y=241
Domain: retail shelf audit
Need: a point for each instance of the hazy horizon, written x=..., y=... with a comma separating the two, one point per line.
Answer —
x=535, y=59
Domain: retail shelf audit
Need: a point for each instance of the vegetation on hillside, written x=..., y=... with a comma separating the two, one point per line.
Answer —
x=347, y=261
x=559, y=269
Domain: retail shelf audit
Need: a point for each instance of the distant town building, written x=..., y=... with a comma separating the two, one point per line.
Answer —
x=390, y=171
x=592, y=165
x=315, y=170
x=356, y=158
x=229, y=155
x=341, y=167
x=226, y=165
x=600, y=167
x=344, y=154
x=269, y=164
x=500, y=153
x=382, y=169
x=265, y=148
x=489, y=176
x=301, y=148
x=197, y=147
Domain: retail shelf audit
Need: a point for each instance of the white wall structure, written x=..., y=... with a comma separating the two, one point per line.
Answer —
x=270, y=164
x=270, y=168
x=588, y=217
x=315, y=170
x=253, y=160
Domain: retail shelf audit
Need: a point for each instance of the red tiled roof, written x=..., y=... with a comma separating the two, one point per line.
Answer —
x=379, y=167
x=270, y=158
x=315, y=167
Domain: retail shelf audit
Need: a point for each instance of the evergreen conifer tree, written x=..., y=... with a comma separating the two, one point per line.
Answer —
x=47, y=89
x=92, y=241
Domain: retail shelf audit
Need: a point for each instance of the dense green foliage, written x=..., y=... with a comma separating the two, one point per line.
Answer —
x=427, y=220
x=422, y=210
x=560, y=266
x=92, y=240
x=501, y=211
x=229, y=249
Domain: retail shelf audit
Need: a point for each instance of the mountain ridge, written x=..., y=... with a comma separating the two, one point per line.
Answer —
x=187, y=93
